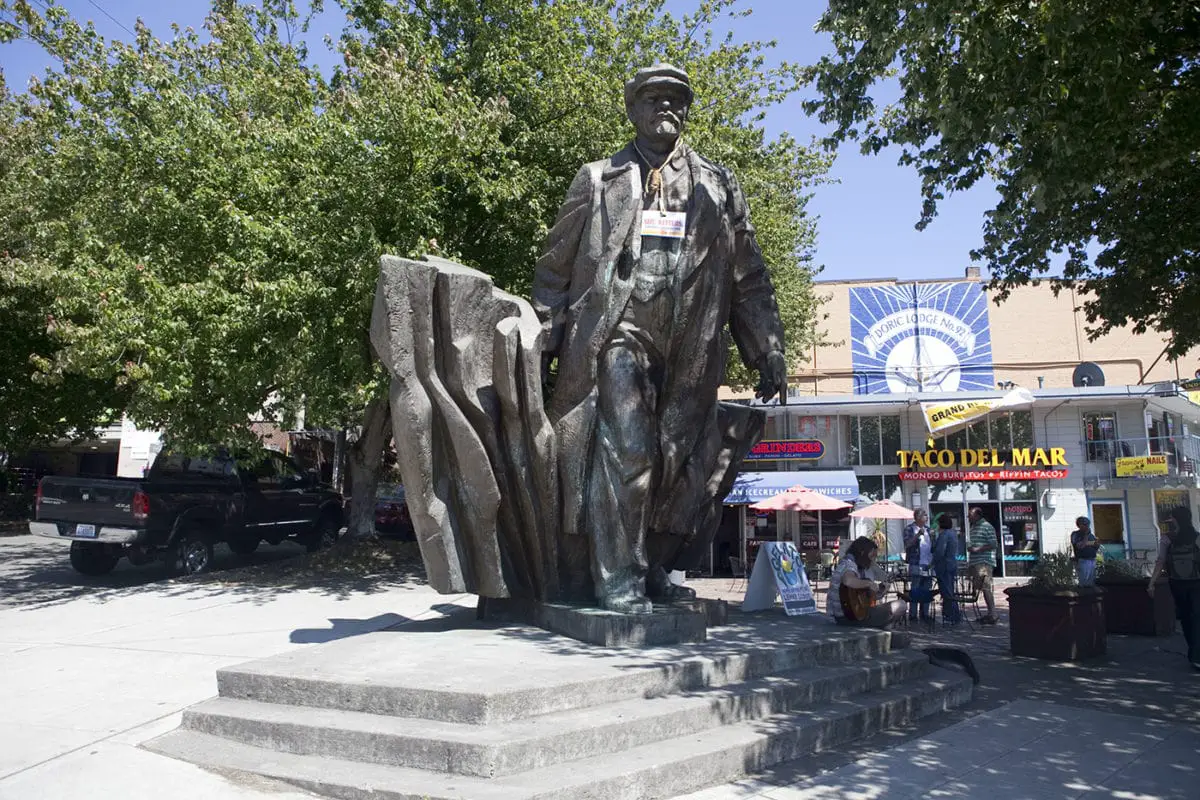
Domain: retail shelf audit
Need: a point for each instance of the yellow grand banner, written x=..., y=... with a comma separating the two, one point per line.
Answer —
x=1136, y=466
x=942, y=418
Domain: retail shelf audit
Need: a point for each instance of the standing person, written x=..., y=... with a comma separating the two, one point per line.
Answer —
x=981, y=561
x=918, y=553
x=945, y=567
x=1085, y=546
x=1179, y=556
x=853, y=571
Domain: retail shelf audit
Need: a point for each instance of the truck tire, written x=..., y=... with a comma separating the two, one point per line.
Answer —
x=243, y=545
x=93, y=559
x=324, y=535
x=192, y=554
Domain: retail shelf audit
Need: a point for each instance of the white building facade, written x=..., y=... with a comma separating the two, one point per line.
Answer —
x=1121, y=455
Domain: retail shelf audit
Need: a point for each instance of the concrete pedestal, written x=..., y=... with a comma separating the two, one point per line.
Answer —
x=683, y=622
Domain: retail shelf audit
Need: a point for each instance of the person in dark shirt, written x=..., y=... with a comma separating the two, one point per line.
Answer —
x=1084, y=547
x=945, y=567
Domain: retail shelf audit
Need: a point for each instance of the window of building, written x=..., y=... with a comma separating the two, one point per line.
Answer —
x=1018, y=490
x=889, y=432
x=881, y=487
x=981, y=490
x=1022, y=428
x=868, y=441
x=871, y=441
x=977, y=436
x=1100, y=435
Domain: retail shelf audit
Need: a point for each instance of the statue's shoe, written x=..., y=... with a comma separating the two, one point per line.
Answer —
x=627, y=604
x=659, y=586
x=672, y=592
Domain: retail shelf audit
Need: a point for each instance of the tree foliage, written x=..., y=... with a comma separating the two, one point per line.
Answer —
x=1086, y=114
x=201, y=216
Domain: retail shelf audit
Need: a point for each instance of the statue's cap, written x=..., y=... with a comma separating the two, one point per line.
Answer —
x=658, y=75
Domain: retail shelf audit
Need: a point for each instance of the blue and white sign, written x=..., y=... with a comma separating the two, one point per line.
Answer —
x=920, y=337
x=750, y=487
x=779, y=570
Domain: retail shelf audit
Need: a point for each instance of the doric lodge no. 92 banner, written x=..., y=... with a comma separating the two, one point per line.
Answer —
x=920, y=337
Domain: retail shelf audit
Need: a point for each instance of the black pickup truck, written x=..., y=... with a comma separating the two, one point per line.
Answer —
x=182, y=508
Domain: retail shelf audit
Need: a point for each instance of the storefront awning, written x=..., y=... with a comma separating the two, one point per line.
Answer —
x=750, y=487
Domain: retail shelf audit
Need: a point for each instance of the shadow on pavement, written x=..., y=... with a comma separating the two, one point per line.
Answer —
x=36, y=572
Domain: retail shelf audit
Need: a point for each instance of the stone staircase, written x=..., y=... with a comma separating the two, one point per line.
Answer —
x=516, y=713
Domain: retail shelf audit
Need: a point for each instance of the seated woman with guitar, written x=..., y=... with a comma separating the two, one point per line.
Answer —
x=853, y=597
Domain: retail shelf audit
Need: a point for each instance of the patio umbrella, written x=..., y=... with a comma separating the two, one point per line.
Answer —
x=801, y=498
x=884, y=509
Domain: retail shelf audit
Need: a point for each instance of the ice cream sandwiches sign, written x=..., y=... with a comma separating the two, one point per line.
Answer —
x=920, y=337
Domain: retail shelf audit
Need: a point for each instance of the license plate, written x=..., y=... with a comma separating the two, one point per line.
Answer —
x=85, y=531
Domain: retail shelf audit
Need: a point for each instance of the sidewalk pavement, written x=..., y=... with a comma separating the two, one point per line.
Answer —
x=1123, y=727
x=1026, y=750
x=87, y=678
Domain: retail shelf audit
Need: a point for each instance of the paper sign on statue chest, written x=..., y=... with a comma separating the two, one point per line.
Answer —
x=668, y=224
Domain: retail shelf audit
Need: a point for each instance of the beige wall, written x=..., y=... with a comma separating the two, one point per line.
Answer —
x=1034, y=334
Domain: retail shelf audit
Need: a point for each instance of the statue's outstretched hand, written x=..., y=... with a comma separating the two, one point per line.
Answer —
x=772, y=377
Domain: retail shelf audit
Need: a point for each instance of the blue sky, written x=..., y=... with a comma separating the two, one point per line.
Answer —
x=866, y=219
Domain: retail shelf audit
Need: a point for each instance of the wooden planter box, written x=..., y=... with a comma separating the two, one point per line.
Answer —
x=1066, y=625
x=1128, y=609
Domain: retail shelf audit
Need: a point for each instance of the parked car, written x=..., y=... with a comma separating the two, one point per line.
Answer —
x=184, y=506
x=391, y=512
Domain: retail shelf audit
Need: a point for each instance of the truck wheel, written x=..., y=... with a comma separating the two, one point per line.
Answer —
x=93, y=559
x=243, y=546
x=324, y=536
x=192, y=554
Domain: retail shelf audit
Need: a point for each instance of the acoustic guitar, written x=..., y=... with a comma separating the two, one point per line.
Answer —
x=857, y=603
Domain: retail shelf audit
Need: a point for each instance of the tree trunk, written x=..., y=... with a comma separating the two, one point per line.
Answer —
x=366, y=457
x=339, y=460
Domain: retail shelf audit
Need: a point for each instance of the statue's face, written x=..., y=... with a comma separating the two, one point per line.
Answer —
x=659, y=113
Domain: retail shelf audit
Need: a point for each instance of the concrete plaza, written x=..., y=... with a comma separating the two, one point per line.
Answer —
x=92, y=669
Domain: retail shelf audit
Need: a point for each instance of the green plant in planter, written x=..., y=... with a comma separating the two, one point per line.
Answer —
x=1054, y=572
x=1123, y=569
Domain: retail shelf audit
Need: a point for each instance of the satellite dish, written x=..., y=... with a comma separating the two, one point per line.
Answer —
x=1087, y=374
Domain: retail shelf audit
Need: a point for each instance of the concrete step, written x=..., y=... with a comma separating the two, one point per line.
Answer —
x=661, y=769
x=525, y=744
x=496, y=680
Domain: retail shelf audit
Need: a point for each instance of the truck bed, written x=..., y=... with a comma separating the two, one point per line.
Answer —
x=94, y=501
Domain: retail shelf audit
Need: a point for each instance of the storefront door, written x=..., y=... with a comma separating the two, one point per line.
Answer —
x=960, y=511
x=1108, y=523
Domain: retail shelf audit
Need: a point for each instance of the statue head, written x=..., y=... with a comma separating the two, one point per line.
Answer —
x=657, y=100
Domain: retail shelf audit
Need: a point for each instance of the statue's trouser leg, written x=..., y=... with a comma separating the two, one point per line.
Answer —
x=623, y=474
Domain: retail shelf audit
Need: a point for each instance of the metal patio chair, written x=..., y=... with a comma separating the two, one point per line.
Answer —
x=966, y=594
x=738, y=568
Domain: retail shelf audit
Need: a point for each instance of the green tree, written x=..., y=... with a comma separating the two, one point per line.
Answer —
x=1086, y=114
x=203, y=217
x=560, y=68
x=40, y=398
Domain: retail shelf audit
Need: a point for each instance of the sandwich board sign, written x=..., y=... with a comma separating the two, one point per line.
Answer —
x=779, y=570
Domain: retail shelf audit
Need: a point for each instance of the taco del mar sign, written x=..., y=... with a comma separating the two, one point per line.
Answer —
x=983, y=458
